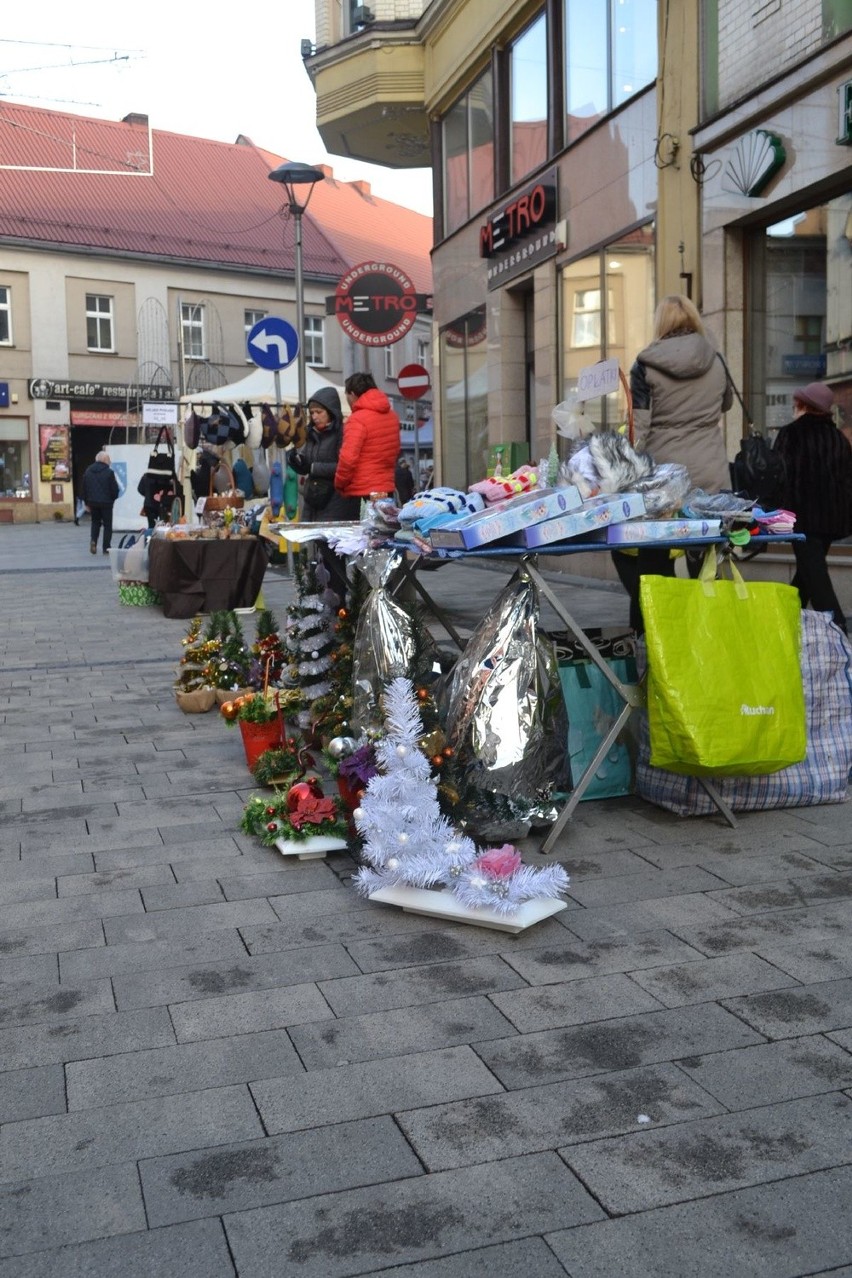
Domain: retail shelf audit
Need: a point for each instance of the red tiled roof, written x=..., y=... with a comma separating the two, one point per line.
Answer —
x=203, y=201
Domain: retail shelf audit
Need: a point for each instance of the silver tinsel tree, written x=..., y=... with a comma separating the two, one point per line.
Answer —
x=309, y=636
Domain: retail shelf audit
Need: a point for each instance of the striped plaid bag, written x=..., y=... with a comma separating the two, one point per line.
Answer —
x=823, y=774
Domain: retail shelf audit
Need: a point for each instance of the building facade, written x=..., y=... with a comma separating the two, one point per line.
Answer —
x=124, y=284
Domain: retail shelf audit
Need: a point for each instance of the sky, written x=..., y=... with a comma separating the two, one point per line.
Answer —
x=200, y=70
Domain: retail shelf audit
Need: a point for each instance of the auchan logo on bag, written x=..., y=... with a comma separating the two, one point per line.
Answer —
x=744, y=709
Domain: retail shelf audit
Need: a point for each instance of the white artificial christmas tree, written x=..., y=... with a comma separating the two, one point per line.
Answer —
x=410, y=844
x=406, y=838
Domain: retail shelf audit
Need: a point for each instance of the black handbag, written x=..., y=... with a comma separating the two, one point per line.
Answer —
x=162, y=456
x=757, y=471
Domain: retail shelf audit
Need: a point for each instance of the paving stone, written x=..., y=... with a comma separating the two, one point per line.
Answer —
x=786, y=894
x=33, y=889
x=51, y=939
x=155, y=852
x=705, y=980
x=772, y=1072
x=178, y=984
x=673, y=912
x=809, y=1009
x=188, y=1067
x=196, y=1249
x=53, y=1210
x=129, y=877
x=432, y=983
x=307, y=876
x=573, y=1003
x=778, y=1230
x=477, y=1131
x=84, y=1038
x=740, y=871
x=583, y=866
x=420, y=941
x=116, y=1134
x=30, y=1093
x=395, y=927
x=31, y=967
x=568, y=960
x=506, y=1260
x=207, y=1182
x=371, y=1088
x=265, y=1009
x=812, y=960
x=233, y=865
x=364, y=1230
x=40, y=867
x=185, y=923
x=34, y=1002
x=647, y=885
x=171, y=895
x=412, y=1029
x=727, y=849
x=70, y=909
x=815, y=925
x=146, y=956
x=695, y=1159
x=625, y=1043
x=298, y=909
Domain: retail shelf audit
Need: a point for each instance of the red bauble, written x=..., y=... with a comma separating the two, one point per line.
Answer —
x=437, y=760
x=270, y=812
x=301, y=791
x=448, y=752
x=272, y=826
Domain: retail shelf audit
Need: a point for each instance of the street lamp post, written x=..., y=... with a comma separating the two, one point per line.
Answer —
x=292, y=176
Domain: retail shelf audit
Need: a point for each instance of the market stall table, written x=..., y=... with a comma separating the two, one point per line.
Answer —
x=632, y=695
x=197, y=575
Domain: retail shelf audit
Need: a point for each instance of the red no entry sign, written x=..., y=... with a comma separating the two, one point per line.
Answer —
x=413, y=381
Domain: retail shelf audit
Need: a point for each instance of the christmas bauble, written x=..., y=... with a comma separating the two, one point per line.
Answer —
x=228, y=711
x=301, y=791
x=339, y=747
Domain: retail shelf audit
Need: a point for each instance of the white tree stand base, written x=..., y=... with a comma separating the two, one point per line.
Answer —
x=443, y=905
x=313, y=848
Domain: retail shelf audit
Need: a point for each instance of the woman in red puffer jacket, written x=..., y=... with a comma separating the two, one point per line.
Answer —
x=370, y=441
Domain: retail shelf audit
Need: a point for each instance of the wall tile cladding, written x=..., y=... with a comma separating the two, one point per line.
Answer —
x=772, y=34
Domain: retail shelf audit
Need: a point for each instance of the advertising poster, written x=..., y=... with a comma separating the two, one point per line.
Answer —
x=54, y=450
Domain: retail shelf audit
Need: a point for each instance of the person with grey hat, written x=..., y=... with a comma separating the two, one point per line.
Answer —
x=316, y=462
x=818, y=464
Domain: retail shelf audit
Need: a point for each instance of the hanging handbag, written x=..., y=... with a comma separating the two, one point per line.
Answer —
x=254, y=432
x=757, y=471
x=192, y=429
x=724, y=685
x=216, y=429
x=231, y=500
x=260, y=473
x=162, y=456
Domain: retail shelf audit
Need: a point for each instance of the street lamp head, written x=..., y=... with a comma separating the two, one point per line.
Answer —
x=292, y=176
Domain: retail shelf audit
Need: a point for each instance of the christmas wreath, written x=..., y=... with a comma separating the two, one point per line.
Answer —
x=299, y=814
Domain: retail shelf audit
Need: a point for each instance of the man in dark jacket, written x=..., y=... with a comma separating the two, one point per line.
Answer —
x=100, y=493
x=818, y=464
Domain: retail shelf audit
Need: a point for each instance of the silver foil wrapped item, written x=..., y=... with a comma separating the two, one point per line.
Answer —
x=384, y=644
x=505, y=719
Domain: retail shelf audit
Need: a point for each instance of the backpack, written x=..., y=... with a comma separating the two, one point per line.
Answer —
x=758, y=471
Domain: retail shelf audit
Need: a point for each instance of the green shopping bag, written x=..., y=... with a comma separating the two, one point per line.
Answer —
x=724, y=686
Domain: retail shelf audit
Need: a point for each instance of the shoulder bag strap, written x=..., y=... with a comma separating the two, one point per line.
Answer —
x=746, y=416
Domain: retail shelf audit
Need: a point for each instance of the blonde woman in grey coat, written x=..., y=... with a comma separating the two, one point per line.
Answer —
x=680, y=389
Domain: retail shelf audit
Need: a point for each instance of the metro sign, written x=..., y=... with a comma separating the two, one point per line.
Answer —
x=376, y=303
x=526, y=214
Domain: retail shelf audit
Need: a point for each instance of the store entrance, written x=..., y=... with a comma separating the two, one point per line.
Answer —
x=86, y=443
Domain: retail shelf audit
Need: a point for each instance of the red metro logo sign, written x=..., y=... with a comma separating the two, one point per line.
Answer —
x=376, y=304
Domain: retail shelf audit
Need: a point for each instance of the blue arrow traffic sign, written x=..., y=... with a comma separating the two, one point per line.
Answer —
x=272, y=343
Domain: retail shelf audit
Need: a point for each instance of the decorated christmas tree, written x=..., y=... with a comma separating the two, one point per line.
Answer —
x=199, y=652
x=267, y=654
x=228, y=667
x=407, y=841
x=309, y=638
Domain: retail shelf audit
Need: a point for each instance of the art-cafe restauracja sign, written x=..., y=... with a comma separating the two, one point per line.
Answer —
x=45, y=388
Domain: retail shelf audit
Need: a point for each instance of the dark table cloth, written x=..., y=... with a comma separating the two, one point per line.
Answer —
x=206, y=576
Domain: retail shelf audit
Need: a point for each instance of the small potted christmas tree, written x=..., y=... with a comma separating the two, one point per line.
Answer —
x=415, y=857
x=194, y=693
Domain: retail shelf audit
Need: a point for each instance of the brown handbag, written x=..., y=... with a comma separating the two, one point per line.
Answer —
x=230, y=500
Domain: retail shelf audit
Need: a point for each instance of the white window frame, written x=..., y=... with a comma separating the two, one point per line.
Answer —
x=390, y=369
x=251, y=316
x=5, y=313
x=423, y=352
x=100, y=309
x=192, y=319
x=314, y=341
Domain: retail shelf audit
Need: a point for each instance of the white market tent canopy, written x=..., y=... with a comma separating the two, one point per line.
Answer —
x=259, y=388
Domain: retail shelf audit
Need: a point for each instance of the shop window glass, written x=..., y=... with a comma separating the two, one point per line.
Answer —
x=464, y=400
x=528, y=79
x=800, y=318
x=586, y=65
x=192, y=322
x=99, y=323
x=634, y=47
x=5, y=315
x=607, y=308
x=468, y=142
x=14, y=463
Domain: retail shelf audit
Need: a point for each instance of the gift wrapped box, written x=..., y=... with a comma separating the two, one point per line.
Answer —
x=506, y=517
x=587, y=522
x=637, y=531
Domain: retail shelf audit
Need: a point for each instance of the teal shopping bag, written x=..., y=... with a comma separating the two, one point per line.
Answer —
x=593, y=705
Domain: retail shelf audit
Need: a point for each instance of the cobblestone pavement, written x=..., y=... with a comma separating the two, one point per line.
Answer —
x=220, y=1063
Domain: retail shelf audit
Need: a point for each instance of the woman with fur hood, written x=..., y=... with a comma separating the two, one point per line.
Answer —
x=818, y=466
x=680, y=388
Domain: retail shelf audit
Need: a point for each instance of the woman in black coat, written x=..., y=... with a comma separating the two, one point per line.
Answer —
x=316, y=461
x=818, y=488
